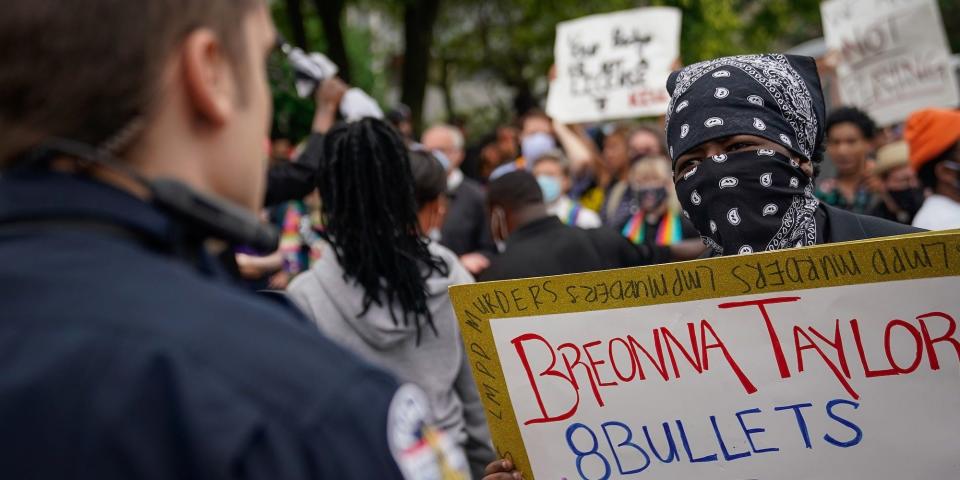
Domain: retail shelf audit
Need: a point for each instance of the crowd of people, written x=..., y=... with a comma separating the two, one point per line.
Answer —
x=153, y=332
x=617, y=177
x=544, y=198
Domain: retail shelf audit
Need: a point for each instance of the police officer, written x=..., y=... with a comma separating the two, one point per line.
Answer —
x=131, y=134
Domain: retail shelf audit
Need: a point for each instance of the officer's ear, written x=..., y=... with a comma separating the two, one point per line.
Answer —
x=207, y=76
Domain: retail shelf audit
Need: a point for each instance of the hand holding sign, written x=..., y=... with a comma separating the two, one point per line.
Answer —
x=501, y=469
x=614, y=65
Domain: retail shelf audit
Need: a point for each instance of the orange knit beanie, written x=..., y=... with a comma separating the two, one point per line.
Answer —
x=930, y=132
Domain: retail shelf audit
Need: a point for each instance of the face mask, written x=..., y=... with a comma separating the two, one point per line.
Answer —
x=909, y=199
x=533, y=146
x=434, y=234
x=651, y=198
x=550, y=186
x=750, y=202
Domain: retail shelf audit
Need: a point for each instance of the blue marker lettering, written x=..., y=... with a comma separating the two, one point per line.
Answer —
x=859, y=433
x=581, y=454
x=686, y=446
x=801, y=423
x=670, y=444
x=750, y=431
x=723, y=447
x=627, y=442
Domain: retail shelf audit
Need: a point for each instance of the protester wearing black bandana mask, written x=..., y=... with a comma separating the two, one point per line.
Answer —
x=745, y=135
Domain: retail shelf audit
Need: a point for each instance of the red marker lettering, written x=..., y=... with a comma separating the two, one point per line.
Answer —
x=837, y=345
x=549, y=371
x=593, y=366
x=704, y=328
x=774, y=340
x=797, y=332
x=918, y=353
x=693, y=360
x=660, y=363
x=870, y=373
x=946, y=337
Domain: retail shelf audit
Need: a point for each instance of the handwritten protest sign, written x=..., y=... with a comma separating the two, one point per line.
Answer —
x=836, y=361
x=894, y=57
x=614, y=65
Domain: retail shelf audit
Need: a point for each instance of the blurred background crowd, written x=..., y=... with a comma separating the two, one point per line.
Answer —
x=423, y=158
x=616, y=176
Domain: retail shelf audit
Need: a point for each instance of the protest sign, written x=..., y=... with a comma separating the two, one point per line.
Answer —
x=614, y=65
x=835, y=361
x=894, y=57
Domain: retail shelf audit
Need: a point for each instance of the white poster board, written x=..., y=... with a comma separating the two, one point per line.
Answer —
x=614, y=65
x=836, y=361
x=894, y=56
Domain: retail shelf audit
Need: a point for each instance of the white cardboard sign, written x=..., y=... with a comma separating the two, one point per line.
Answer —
x=705, y=389
x=894, y=57
x=614, y=65
x=834, y=361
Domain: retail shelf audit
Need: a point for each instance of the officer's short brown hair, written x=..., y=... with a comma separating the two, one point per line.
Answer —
x=83, y=69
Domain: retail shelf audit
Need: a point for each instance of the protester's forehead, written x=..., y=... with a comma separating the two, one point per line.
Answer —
x=548, y=165
x=554, y=156
x=537, y=124
x=846, y=129
x=644, y=137
x=437, y=137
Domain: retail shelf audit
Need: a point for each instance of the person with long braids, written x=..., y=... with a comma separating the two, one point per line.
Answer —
x=380, y=286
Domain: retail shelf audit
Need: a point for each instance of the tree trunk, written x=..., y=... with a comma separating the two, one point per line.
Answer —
x=331, y=14
x=418, y=20
x=523, y=99
x=447, y=90
x=295, y=17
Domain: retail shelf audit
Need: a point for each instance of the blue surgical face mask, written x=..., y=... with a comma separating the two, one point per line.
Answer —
x=534, y=146
x=550, y=186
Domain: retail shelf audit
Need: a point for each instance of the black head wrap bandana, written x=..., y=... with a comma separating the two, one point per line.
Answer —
x=755, y=201
x=774, y=96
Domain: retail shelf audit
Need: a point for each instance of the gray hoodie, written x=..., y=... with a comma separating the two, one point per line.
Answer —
x=438, y=365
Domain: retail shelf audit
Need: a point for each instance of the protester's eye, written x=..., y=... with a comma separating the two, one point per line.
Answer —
x=685, y=165
x=740, y=146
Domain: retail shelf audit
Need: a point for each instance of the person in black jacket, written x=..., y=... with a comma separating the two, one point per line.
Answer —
x=297, y=179
x=745, y=134
x=537, y=243
x=126, y=352
x=465, y=230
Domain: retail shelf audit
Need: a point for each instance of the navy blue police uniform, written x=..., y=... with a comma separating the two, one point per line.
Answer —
x=124, y=354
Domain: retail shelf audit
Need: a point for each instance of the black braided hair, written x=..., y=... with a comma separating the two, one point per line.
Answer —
x=370, y=219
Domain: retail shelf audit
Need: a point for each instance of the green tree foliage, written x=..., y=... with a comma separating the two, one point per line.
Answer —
x=950, y=11
x=293, y=115
x=513, y=39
